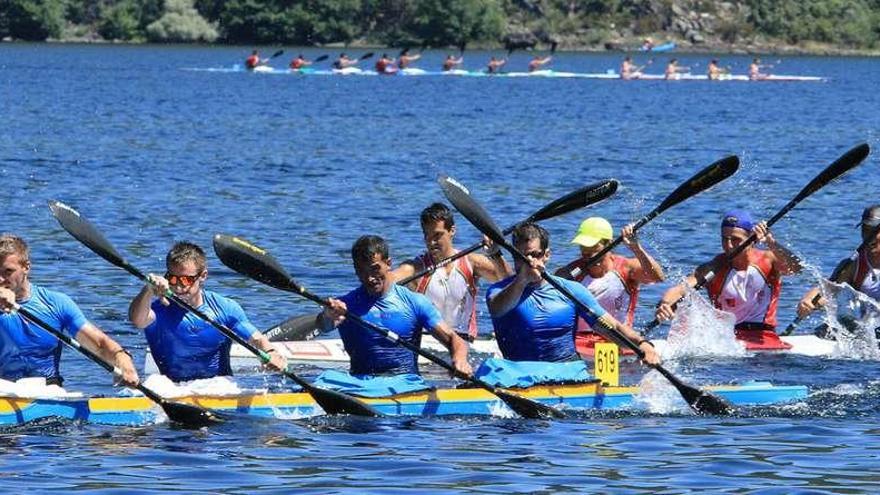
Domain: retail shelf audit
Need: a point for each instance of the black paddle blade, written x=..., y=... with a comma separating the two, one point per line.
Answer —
x=252, y=261
x=189, y=415
x=366, y=55
x=528, y=408
x=277, y=54
x=840, y=166
x=321, y=58
x=301, y=327
x=86, y=233
x=585, y=196
x=333, y=402
x=461, y=199
x=702, y=181
x=701, y=401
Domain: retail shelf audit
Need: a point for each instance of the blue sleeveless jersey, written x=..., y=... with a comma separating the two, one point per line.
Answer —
x=541, y=326
x=27, y=350
x=400, y=310
x=185, y=347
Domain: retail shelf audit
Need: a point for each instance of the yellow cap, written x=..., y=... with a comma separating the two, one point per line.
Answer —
x=593, y=230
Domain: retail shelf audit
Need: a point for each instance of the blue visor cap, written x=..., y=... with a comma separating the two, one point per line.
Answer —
x=738, y=218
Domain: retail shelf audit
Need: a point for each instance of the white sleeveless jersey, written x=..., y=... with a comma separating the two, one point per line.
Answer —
x=746, y=294
x=454, y=296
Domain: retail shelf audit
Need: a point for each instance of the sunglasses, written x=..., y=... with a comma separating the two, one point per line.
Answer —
x=185, y=281
x=535, y=254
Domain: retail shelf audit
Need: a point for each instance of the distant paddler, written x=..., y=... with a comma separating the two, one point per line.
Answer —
x=647, y=44
x=184, y=346
x=451, y=63
x=714, y=71
x=495, y=65
x=628, y=70
x=27, y=351
x=254, y=60
x=535, y=322
x=674, y=71
x=538, y=62
x=404, y=59
x=300, y=62
x=385, y=65
x=452, y=288
x=748, y=287
x=861, y=270
x=755, y=67
x=343, y=62
x=381, y=301
x=614, y=280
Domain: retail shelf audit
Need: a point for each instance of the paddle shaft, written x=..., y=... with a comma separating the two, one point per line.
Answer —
x=616, y=242
x=86, y=352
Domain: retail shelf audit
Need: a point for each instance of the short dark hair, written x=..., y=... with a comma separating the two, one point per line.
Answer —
x=368, y=246
x=529, y=231
x=437, y=212
x=183, y=251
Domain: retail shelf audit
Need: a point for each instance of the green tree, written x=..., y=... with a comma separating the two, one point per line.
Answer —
x=32, y=20
x=120, y=21
x=455, y=22
x=181, y=23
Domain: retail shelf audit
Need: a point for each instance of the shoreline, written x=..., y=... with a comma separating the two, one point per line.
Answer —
x=629, y=46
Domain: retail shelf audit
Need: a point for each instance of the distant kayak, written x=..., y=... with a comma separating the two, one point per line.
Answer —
x=665, y=47
x=610, y=74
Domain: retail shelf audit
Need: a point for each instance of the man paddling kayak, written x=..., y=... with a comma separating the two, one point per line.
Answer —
x=299, y=62
x=385, y=65
x=452, y=288
x=748, y=286
x=27, y=351
x=714, y=71
x=184, y=346
x=343, y=61
x=404, y=59
x=535, y=322
x=451, y=63
x=861, y=270
x=254, y=60
x=755, y=67
x=381, y=301
x=673, y=70
x=538, y=62
x=614, y=280
x=495, y=65
x=628, y=70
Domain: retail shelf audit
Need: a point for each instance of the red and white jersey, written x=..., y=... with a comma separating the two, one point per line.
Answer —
x=616, y=291
x=752, y=295
x=453, y=293
x=867, y=278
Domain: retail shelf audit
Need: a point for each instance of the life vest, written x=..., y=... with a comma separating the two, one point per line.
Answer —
x=616, y=291
x=297, y=63
x=453, y=293
x=753, y=297
x=252, y=61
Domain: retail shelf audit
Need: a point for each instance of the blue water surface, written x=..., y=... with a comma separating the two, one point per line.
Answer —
x=153, y=152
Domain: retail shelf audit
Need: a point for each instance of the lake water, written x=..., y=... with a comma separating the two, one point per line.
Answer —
x=152, y=153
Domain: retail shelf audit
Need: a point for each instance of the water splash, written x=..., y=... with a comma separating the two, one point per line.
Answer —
x=699, y=329
x=851, y=319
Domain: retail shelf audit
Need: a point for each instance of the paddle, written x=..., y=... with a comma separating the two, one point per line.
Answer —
x=701, y=181
x=258, y=264
x=185, y=414
x=845, y=163
x=366, y=56
x=81, y=229
x=321, y=58
x=701, y=401
x=303, y=327
x=834, y=276
x=276, y=54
